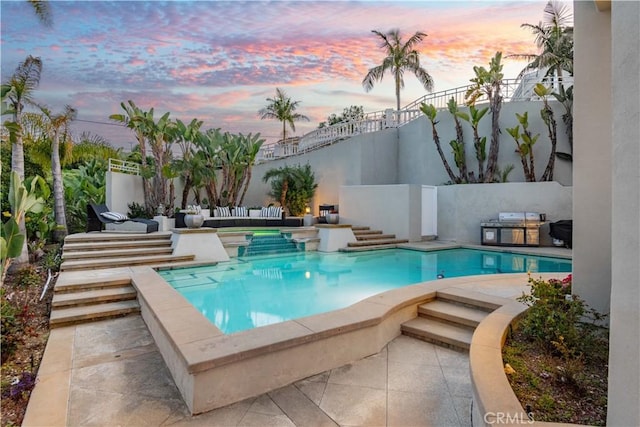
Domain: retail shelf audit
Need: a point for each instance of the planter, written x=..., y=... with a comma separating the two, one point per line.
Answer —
x=332, y=218
x=193, y=221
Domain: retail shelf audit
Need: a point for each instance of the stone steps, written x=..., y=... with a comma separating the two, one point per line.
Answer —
x=93, y=296
x=451, y=318
x=90, y=264
x=376, y=242
x=117, y=253
x=87, y=313
x=111, y=245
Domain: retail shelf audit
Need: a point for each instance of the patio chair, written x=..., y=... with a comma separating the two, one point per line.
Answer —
x=98, y=215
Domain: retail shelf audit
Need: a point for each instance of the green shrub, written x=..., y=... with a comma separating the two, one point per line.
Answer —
x=28, y=276
x=52, y=258
x=136, y=210
x=560, y=322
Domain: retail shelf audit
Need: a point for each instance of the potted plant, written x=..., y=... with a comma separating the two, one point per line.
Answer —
x=332, y=217
x=193, y=217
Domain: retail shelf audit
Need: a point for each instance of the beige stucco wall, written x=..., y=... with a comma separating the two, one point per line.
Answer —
x=624, y=356
x=394, y=209
x=123, y=189
x=462, y=207
x=420, y=163
x=592, y=155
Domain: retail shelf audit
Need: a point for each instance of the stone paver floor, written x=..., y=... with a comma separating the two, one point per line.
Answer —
x=119, y=378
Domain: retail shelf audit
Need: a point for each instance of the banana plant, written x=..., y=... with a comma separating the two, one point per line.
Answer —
x=22, y=201
x=430, y=111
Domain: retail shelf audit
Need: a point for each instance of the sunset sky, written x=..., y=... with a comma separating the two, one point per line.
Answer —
x=218, y=61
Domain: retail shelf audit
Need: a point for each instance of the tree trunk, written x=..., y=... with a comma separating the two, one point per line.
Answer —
x=552, y=127
x=58, y=190
x=460, y=139
x=17, y=164
x=492, y=162
x=436, y=139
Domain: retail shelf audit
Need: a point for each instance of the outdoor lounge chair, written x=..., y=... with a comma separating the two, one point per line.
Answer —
x=98, y=215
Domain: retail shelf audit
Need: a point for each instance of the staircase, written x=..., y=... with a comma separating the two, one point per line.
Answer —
x=451, y=317
x=268, y=244
x=81, y=302
x=92, y=251
x=80, y=296
x=368, y=239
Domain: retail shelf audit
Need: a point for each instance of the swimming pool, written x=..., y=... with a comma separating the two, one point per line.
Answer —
x=250, y=292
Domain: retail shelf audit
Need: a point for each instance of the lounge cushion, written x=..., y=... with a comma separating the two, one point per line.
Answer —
x=240, y=211
x=223, y=211
x=114, y=216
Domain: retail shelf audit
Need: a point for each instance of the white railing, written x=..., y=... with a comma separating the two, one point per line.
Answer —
x=512, y=90
x=123, y=166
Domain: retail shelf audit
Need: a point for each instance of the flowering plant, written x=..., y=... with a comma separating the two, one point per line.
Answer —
x=557, y=317
x=192, y=210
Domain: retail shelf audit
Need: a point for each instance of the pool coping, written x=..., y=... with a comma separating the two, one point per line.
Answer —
x=212, y=369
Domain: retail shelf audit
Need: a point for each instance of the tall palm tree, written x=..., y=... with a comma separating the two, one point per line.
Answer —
x=400, y=57
x=42, y=11
x=554, y=39
x=17, y=92
x=282, y=109
x=58, y=128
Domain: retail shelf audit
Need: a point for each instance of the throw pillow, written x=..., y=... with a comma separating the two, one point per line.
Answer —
x=114, y=216
x=223, y=211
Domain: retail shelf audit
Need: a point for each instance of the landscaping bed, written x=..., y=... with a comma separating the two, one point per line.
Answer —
x=25, y=330
x=557, y=359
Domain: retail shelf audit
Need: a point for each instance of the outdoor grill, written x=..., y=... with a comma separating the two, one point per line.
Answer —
x=513, y=229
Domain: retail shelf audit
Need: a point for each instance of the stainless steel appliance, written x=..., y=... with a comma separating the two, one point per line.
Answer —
x=512, y=229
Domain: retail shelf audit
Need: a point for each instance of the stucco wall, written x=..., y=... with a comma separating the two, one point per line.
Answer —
x=592, y=156
x=461, y=208
x=420, y=163
x=394, y=209
x=363, y=159
x=123, y=189
x=624, y=357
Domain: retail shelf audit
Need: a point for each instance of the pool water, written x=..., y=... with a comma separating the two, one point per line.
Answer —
x=250, y=292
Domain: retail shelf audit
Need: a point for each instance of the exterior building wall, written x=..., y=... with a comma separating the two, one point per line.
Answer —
x=123, y=189
x=624, y=353
x=420, y=163
x=462, y=207
x=592, y=156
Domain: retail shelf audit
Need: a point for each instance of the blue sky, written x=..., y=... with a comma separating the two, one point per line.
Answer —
x=219, y=61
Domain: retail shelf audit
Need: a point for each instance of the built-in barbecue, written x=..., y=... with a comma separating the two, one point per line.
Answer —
x=513, y=229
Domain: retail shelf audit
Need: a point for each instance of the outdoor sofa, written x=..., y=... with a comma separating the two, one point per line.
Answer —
x=220, y=217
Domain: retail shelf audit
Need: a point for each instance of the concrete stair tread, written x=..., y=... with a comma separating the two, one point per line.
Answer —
x=106, y=237
x=438, y=332
x=377, y=242
x=452, y=312
x=476, y=299
x=79, y=286
x=367, y=248
x=114, y=253
x=93, y=296
x=122, y=262
x=369, y=237
x=119, y=244
x=73, y=315
x=359, y=228
x=366, y=232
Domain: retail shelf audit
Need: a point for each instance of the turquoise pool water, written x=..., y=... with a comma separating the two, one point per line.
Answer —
x=249, y=292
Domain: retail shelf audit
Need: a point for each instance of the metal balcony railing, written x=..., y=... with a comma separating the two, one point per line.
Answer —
x=511, y=90
x=123, y=166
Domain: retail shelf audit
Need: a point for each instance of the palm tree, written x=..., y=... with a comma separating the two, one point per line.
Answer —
x=42, y=11
x=400, y=58
x=554, y=39
x=16, y=93
x=282, y=109
x=58, y=127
